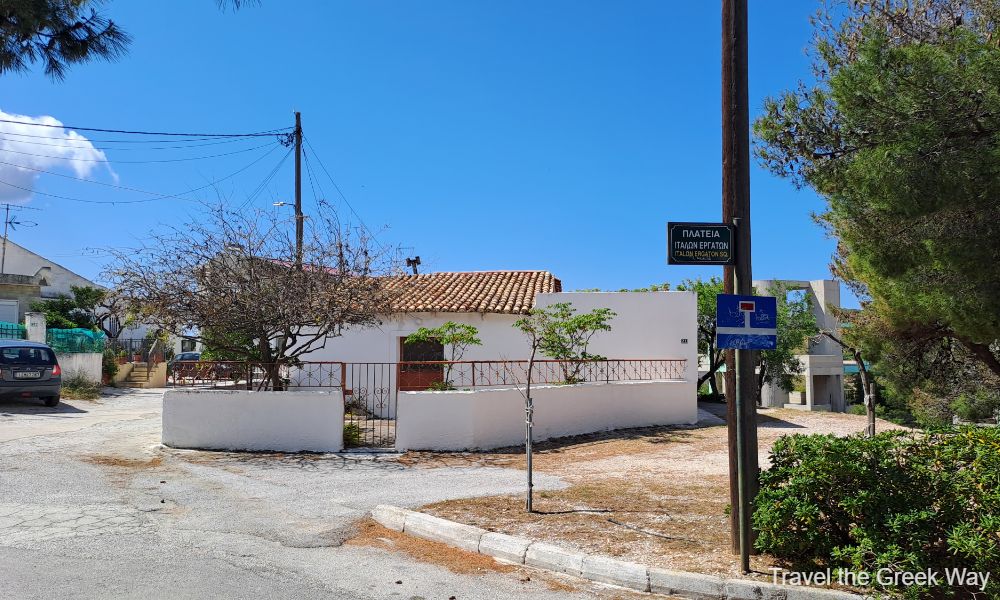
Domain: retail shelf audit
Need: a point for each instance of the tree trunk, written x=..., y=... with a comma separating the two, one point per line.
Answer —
x=714, y=363
x=985, y=354
x=529, y=410
x=713, y=385
x=866, y=386
x=760, y=384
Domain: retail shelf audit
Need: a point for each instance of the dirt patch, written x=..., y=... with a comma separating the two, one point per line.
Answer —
x=656, y=523
x=372, y=534
x=125, y=463
x=550, y=454
x=657, y=496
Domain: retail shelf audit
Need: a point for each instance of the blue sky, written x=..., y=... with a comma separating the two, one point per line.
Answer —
x=558, y=135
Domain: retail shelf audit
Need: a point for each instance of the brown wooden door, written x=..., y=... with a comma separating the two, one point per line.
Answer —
x=416, y=377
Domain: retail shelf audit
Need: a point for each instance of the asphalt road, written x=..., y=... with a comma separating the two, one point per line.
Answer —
x=91, y=506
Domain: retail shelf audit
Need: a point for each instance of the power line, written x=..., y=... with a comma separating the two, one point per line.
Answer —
x=158, y=195
x=123, y=141
x=89, y=144
x=165, y=160
x=269, y=132
x=341, y=193
x=263, y=184
x=321, y=201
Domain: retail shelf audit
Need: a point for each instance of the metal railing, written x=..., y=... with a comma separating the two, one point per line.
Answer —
x=421, y=375
x=148, y=350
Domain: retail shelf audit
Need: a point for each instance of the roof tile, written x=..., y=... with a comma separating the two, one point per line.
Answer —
x=505, y=292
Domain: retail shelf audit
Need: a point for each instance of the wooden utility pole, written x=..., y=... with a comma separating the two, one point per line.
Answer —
x=299, y=217
x=740, y=372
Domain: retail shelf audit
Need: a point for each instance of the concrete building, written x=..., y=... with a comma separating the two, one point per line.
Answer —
x=824, y=363
x=26, y=277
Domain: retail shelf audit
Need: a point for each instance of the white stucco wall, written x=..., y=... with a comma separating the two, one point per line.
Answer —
x=242, y=420
x=87, y=363
x=494, y=418
x=648, y=325
x=381, y=343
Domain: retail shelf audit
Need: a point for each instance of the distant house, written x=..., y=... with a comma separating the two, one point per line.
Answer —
x=26, y=277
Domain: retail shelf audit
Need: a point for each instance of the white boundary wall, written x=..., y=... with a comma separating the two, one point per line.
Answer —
x=87, y=363
x=494, y=418
x=243, y=420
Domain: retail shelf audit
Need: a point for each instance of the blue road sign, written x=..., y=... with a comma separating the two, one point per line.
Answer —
x=746, y=322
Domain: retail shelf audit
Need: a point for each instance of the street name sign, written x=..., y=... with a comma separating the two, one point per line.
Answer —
x=746, y=322
x=700, y=244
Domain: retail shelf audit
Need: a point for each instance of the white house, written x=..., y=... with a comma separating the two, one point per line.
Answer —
x=26, y=277
x=649, y=379
x=647, y=325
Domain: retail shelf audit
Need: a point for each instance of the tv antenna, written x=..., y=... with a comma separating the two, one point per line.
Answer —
x=12, y=224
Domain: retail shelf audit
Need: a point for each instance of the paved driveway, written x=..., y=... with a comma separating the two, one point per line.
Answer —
x=92, y=507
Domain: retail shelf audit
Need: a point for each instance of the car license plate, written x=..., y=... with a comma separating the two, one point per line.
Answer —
x=27, y=374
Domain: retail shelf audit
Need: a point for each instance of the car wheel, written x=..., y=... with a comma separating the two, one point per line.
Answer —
x=51, y=401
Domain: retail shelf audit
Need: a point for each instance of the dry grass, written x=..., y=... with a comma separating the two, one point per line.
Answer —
x=76, y=386
x=656, y=495
x=371, y=534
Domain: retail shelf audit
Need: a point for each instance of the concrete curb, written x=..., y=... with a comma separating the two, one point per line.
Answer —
x=511, y=549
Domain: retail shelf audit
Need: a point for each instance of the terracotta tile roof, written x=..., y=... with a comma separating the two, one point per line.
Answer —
x=506, y=292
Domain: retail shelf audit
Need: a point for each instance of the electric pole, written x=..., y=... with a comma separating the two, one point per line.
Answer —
x=299, y=217
x=740, y=371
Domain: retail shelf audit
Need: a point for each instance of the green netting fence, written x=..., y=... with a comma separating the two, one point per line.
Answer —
x=12, y=331
x=75, y=340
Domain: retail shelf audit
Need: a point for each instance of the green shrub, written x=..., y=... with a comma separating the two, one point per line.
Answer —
x=981, y=405
x=109, y=364
x=76, y=386
x=899, y=501
x=352, y=434
x=441, y=386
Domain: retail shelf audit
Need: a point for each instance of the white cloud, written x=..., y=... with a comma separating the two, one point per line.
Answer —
x=58, y=150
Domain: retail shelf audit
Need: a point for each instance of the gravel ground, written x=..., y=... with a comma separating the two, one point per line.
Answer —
x=656, y=496
x=92, y=507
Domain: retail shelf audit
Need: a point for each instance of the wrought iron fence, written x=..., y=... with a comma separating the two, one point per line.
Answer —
x=494, y=373
x=420, y=375
x=145, y=350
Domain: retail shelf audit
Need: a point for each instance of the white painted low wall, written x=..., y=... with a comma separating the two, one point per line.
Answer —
x=87, y=363
x=241, y=420
x=494, y=418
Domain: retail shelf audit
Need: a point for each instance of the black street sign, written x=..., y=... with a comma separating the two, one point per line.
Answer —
x=700, y=244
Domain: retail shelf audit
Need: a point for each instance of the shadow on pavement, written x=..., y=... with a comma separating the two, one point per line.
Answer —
x=763, y=420
x=34, y=406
